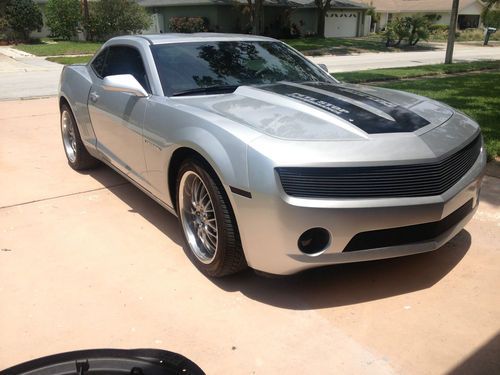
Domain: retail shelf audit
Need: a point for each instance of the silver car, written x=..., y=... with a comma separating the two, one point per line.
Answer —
x=267, y=160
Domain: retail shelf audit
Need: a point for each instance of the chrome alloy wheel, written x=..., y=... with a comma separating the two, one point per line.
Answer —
x=198, y=217
x=68, y=135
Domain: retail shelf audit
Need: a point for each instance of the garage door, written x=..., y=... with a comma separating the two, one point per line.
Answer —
x=341, y=24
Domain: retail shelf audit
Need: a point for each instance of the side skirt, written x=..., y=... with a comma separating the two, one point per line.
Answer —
x=140, y=187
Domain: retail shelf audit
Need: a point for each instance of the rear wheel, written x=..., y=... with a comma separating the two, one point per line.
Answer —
x=208, y=222
x=76, y=153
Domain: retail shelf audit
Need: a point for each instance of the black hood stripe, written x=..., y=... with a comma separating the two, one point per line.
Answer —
x=371, y=123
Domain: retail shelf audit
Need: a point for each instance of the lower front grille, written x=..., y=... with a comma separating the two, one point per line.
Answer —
x=407, y=235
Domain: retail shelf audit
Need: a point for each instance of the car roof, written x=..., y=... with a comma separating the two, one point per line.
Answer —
x=194, y=37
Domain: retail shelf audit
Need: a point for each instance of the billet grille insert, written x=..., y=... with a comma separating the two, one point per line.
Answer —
x=412, y=180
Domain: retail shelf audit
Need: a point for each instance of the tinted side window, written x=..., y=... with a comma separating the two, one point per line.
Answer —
x=98, y=63
x=126, y=60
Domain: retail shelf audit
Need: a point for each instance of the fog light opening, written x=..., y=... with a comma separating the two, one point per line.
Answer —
x=314, y=241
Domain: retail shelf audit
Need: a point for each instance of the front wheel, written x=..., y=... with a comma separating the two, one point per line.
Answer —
x=208, y=222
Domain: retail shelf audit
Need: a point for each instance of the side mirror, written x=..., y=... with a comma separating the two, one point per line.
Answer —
x=324, y=67
x=124, y=83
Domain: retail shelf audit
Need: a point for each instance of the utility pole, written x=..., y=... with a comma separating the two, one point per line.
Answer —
x=451, y=32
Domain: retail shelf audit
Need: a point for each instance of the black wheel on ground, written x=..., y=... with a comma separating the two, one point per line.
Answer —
x=207, y=220
x=76, y=153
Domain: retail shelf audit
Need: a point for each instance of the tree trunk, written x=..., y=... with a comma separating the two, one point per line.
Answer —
x=86, y=19
x=256, y=11
x=321, y=23
x=451, y=32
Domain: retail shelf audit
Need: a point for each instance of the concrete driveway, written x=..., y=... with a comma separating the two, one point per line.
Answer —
x=88, y=261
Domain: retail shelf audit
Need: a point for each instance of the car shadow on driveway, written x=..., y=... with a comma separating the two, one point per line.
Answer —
x=348, y=284
x=338, y=285
x=138, y=202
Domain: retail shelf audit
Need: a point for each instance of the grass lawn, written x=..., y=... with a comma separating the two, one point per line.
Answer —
x=49, y=47
x=67, y=60
x=344, y=46
x=413, y=72
x=475, y=94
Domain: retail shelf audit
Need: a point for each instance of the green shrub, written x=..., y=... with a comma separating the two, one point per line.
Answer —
x=23, y=17
x=419, y=29
x=433, y=17
x=396, y=31
x=438, y=28
x=188, y=24
x=4, y=27
x=63, y=17
x=114, y=17
x=492, y=19
x=4, y=24
x=472, y=35
x=413, y=29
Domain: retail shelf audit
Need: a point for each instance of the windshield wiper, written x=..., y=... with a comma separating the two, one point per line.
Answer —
x=207, y=90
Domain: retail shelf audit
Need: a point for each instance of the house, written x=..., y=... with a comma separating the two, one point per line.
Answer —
x=345, y=18
x=469, y=13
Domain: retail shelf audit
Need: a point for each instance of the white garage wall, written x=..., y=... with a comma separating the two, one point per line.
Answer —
x=342, y=24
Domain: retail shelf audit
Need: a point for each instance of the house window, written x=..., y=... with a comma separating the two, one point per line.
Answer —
x=468, y=21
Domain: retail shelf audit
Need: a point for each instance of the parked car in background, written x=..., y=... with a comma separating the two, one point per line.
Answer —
x=267, y=160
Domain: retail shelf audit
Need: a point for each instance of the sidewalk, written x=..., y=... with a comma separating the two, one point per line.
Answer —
x=25, y=76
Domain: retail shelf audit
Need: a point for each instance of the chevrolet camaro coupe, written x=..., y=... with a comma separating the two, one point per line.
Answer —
x=267, y=160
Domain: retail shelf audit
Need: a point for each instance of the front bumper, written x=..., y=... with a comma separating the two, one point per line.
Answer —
x=271, y=222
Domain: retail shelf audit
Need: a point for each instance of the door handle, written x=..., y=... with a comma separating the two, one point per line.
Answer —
x=93, y=96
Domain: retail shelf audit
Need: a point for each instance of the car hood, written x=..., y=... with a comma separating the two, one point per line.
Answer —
x=325, y=111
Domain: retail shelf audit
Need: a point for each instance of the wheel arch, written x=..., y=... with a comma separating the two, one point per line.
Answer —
x=63, y=100
x=178, y=157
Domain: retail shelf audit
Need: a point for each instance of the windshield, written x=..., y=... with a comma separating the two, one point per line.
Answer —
x=184, y=67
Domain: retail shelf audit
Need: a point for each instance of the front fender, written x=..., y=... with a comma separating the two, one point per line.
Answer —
x=231, y=169
x=75, y=87
x=170, y=127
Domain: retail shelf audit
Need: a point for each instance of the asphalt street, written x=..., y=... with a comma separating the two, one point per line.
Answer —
x=88, y=261
x=366, y=61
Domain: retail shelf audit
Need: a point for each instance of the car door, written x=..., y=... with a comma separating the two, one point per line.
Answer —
x=117, y=117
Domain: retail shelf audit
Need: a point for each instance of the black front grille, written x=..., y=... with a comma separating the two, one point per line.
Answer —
x=413, y=180
x=407, y=235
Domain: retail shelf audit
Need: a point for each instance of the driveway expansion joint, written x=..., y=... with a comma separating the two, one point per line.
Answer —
x=65, y=195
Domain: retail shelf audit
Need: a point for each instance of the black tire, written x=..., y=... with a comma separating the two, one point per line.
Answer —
x=81, y=159
x=229, y=257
